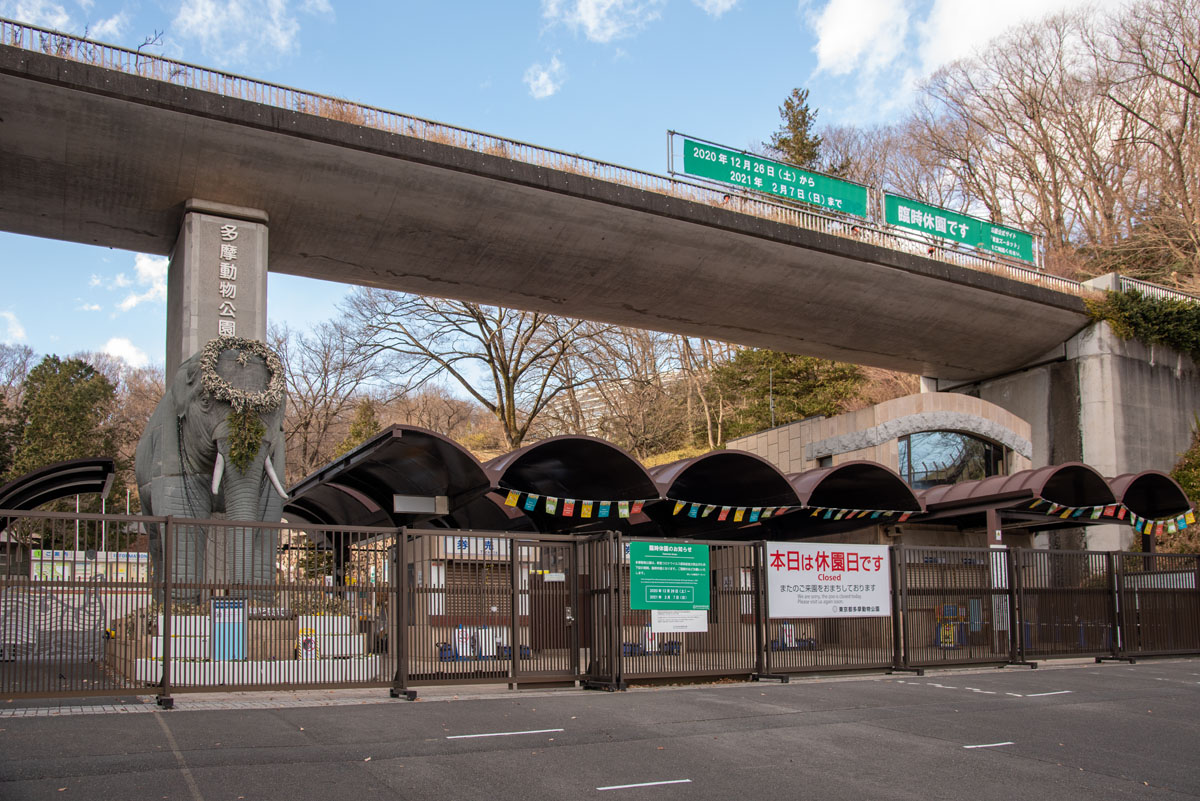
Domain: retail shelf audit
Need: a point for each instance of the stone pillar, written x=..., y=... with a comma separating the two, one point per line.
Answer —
x=217, y=279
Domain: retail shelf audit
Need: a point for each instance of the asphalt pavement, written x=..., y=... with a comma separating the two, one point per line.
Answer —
x=1065, y=731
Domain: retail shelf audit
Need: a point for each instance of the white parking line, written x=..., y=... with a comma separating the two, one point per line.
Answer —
x=1056, y=692
x=500, y=734
x=1015, y=695
x=990, y=745
x=644, y=784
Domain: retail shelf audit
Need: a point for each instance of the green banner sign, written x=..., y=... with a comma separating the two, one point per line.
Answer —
x=668, y=576
x=773, y=178
x=917, y=216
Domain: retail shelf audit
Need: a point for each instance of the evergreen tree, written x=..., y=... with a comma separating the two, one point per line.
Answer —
x=64, y=409
x=795, y=141
x=364, y=425
x=795, y=386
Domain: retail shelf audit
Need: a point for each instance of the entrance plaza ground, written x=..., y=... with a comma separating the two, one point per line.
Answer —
x=1069, y=730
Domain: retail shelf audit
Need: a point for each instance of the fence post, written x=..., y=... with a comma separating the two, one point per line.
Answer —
x=400, y=591
x=897, y=644
x=1116, y=590
x=164, y=698
x=615, y=604
x=760, y=615
x=1014, y=652
x=514, y=610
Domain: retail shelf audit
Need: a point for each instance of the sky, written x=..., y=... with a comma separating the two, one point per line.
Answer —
x=603, y=78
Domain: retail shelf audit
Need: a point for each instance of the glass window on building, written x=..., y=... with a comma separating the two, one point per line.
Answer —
x=931, y=458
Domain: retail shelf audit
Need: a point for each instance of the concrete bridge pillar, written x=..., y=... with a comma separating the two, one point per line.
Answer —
x=217, y=279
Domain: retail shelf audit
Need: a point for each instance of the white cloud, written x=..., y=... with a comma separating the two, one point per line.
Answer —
x=109, y=29
x=151, y=273
x=715, y=8
x=13, y=330
x=544, y=81
x=88, y=307
x=883, y=50
x=954, y=30
x=859, y=34
x=95, y=280
x=604, y=20
x=38, y=12
x=243, y=30
x=126, y=351
x=120, y=280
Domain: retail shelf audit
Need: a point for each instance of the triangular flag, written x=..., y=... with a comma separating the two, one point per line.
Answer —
x=551, y=505
x=816, y=512
x=513, y=497
x=637, y=507
x=828, y=514
x=605, y=507
x=586, y=511
x=1067, y=513
x=904, y=516
x=569, y=507
x=694, y=510
x=622, y=508
x=678, y=505
x=841, y=513
x=738, y=514
x=531, y=502
x=1036, y=503
x=770, y=510
x=724, y=513
x=1054, y=507
x=708, y=510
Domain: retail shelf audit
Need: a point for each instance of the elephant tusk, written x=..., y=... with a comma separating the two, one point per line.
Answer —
x=275, y=479
x=218, y=471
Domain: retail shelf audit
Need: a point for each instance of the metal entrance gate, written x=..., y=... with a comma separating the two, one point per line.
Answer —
x=483, y=607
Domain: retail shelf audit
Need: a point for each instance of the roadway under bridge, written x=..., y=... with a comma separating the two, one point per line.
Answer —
x=101, y=156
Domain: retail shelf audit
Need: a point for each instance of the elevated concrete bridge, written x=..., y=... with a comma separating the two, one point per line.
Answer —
x=103, y=146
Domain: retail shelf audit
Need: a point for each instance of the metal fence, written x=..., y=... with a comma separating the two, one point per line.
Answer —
x=258, y=606
x=1159, y=603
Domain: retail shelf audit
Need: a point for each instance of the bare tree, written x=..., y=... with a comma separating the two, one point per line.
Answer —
x=509, y=361
x=326, y=373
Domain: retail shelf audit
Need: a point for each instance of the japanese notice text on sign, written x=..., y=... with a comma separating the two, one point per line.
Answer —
x=827, y=580
x=668, y=576
x=773, y=178
x=916, y=216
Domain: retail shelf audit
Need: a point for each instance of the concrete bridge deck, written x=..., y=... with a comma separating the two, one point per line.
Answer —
x=98, y=155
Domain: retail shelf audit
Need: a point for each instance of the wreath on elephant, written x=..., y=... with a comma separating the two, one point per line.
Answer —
x=246, y=429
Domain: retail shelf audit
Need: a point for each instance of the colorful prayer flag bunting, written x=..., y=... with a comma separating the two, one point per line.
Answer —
x=623, y=509
x=586, y=511
x=605, y=507
x=512, y=498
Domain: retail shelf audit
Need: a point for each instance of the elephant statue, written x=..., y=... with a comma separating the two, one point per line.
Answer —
x=215, y=445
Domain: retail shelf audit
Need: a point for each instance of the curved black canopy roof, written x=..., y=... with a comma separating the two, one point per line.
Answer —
x=721, y=478
x=1151, y=494
x=359, y=488
x=59, y=480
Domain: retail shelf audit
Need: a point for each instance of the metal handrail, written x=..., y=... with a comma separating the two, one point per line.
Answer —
x=1128, y=284
x=64, y=45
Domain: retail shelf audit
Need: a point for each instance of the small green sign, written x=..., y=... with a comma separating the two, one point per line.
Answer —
x=917, y=216
x=668, y=576
x=773, y=178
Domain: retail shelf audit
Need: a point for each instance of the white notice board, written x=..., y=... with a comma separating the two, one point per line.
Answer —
x=827, y=579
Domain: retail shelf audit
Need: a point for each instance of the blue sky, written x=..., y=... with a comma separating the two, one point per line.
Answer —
x=603, y=78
